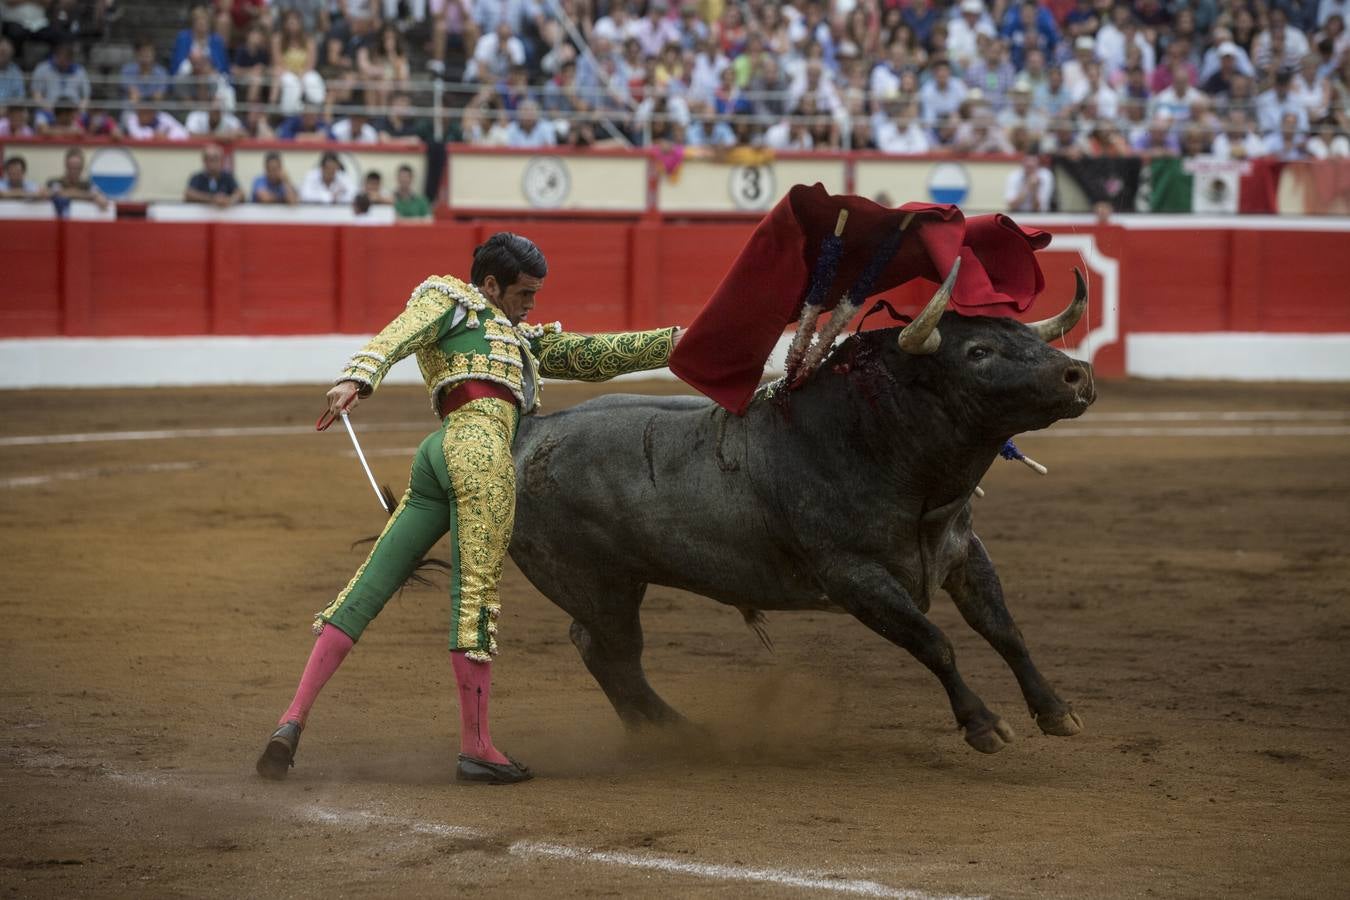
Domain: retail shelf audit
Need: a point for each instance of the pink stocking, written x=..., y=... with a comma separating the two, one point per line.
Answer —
x=330, y=649
x=475, y=690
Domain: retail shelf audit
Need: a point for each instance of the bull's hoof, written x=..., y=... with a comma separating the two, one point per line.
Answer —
x=1060, y=724
x=989, y=736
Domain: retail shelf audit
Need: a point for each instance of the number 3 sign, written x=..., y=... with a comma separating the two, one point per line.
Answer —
x=752, y=187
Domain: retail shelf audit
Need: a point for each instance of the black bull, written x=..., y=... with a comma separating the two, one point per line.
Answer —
x=851, y=493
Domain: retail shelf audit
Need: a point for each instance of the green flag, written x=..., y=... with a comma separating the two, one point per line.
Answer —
x=1170, y=188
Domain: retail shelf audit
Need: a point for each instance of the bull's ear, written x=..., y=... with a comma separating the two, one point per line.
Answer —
x=922, y=336
x=1053, y=329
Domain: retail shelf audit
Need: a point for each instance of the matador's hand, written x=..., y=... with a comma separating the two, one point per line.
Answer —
x=343, y=395
x=675, y=338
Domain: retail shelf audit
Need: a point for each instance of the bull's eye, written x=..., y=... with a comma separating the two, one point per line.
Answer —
x=977, y=352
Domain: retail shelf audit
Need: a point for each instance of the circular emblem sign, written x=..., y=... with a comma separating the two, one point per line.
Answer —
x=546, y=182
x=752, y=187
x=948, y=183
x=114, y=171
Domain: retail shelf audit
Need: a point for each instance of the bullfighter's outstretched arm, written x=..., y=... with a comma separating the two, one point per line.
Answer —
x=598, y=357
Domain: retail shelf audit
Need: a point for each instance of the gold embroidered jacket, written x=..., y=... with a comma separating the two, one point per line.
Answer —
x=458, y=335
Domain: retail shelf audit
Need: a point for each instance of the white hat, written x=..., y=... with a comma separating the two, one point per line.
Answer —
x=1084, y=43
x=972, y=6
x=1228, y=48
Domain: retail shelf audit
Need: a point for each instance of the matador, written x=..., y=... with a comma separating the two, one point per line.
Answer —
x=481, y=363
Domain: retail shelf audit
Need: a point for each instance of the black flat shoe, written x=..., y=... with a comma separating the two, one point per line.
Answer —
x=279, y=755
x=471, y=768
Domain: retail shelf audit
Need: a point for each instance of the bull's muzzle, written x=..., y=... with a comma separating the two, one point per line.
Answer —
x=1078, y=376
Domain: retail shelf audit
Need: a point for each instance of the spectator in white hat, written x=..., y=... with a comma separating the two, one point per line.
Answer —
x=1220, y=80
x=1019, y=112
x=970, y=20
x=1224, y=45
x=1075, y=70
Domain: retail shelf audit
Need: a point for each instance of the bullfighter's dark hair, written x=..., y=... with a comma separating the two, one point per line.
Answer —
x=504, y=256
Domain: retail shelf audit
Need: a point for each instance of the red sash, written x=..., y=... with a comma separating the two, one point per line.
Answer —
x=473, y=389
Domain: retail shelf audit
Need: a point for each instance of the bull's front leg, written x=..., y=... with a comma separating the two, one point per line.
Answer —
x=877, y=600
x=979, y=596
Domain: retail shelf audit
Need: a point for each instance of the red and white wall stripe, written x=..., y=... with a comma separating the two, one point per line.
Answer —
x=148, y=303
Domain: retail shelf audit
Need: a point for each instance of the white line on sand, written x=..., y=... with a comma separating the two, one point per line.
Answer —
x=1239, y=415
x=1067, y=429
x=810, y=880
x=1077, y=431
x=781, y=877
x=91, y=437
x=19, y=481
x=331, y=816
x=359, y=818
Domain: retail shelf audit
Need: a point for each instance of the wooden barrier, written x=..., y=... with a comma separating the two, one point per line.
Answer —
x=137, y=278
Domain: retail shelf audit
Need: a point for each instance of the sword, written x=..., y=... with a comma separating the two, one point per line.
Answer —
x=346, y=420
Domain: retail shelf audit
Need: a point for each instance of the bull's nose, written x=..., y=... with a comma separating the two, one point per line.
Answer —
x=1078, y=376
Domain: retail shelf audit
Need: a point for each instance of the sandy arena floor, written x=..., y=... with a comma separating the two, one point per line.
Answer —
x=1183, y=580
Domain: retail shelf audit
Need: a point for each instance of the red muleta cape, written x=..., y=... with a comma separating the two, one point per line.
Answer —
x=724, y=351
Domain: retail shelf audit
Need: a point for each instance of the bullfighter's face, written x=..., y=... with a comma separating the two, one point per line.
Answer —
x=515, y=300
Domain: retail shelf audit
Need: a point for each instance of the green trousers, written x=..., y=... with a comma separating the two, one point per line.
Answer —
x=463, y=482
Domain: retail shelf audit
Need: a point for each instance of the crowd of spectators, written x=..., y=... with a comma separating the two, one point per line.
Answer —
x=288, y=69
x=1228, y=78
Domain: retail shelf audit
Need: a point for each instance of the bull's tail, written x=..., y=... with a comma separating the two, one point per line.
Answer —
x=425, y=565
x=755, y=620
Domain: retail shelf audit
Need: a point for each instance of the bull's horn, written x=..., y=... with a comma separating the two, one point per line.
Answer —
x=1054, y=329
x=922, y=336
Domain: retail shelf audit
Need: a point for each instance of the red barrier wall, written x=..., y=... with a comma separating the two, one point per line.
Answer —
x=147, y=278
